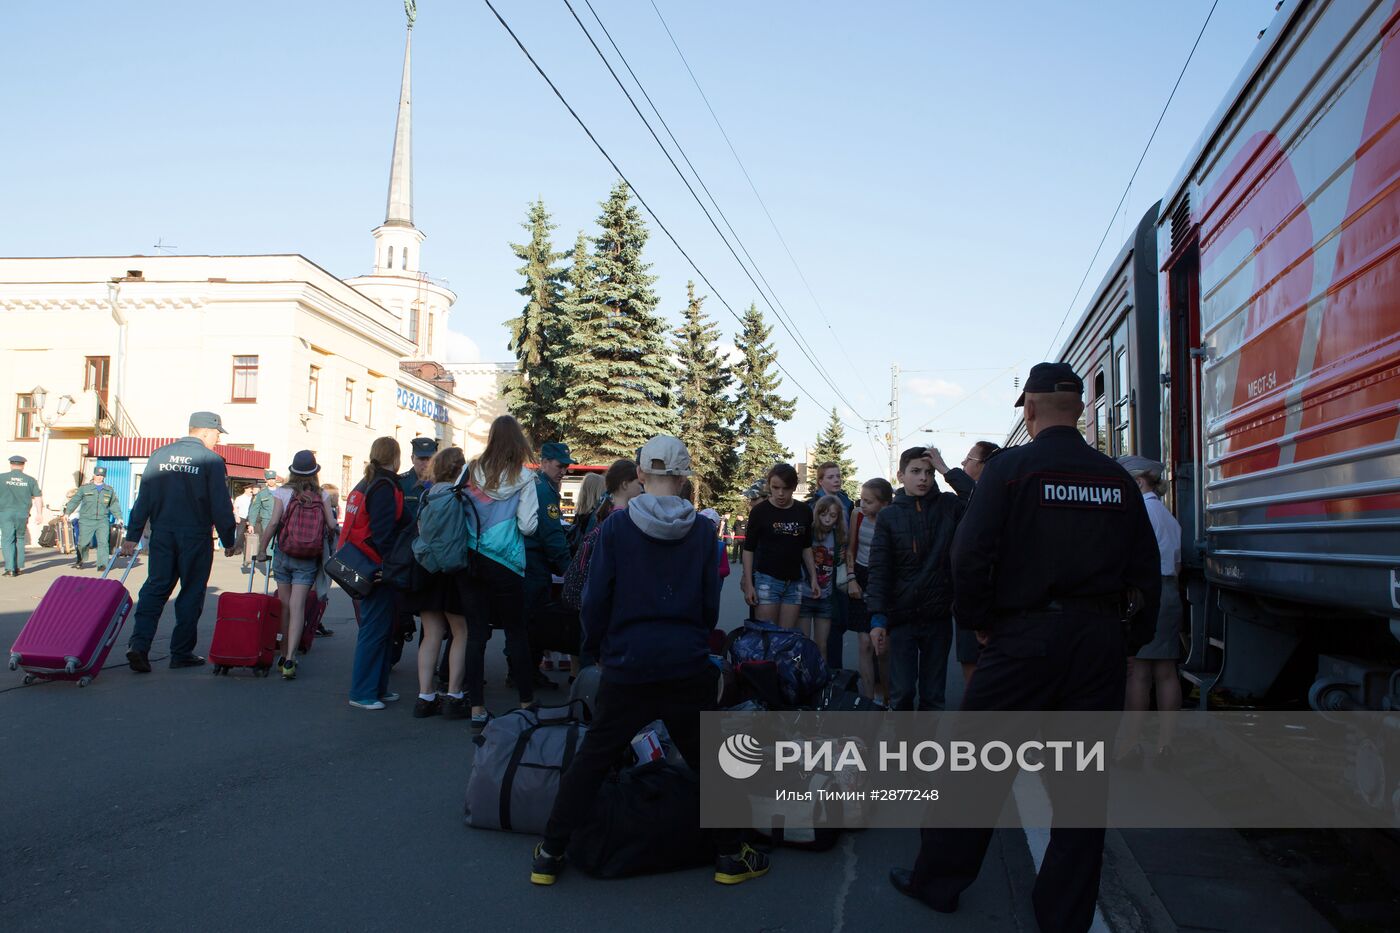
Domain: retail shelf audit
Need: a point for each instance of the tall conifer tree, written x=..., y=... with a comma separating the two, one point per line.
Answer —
x=831, y=447
x=573, y=309
x=761, y=408
x=619, y=365
x=704, y=406
x=539, y=334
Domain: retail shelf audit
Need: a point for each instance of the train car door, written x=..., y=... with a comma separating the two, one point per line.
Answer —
x=1119, y=367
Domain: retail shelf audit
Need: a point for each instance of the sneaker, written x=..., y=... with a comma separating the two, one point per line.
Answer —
x=289, y=670
x=546, y=868
x=422, y=709
x=736, y=869
x=390, y=697
x=360, y=704
x=455, y=708
x=322, y=631
x=479, y=721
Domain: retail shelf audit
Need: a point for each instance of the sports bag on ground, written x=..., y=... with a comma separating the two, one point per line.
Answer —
x=516, y=768
x=644, y=820
x=302, y=531
x=447, y=524
x=801, y=671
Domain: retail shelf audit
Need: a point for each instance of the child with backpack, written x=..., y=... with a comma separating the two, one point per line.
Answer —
x=649, y=604
x=302, y=524
x=875, y=495
x=438, y=604
x=829, y=558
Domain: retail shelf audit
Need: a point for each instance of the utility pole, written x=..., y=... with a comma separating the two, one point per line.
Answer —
x=893, y=436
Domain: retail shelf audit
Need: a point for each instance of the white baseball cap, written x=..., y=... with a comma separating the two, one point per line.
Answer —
x=670, y=451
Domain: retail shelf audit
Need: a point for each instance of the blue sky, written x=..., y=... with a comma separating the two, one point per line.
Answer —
x=941, y=171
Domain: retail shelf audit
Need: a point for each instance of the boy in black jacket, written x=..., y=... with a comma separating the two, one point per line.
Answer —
x=910, y=596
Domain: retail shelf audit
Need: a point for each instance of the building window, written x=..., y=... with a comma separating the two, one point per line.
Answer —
x=428, y=347
x=26, y=417
x=369, y=408
x=97, y=373
x=245, y=379
x=349, y=399
x=403, y=263
x=413, y=322
x=313, y=389
x=391, y=257
x=345, y=484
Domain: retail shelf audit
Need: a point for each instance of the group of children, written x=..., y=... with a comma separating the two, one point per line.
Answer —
x=830, y=566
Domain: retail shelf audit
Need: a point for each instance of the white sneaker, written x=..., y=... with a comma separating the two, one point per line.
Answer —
x=390, y=698
x=358, y=705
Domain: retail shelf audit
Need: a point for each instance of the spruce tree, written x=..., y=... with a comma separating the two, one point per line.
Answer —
x=705, y=409
x=760, y=407
x=619, y=365
x=831, y=447
x=573, y=309
x=538, y=336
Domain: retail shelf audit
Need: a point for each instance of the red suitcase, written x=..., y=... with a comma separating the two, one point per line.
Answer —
x=315, y=612
x=72, y=630
x=246, y=627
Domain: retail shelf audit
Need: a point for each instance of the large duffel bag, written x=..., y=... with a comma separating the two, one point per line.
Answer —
x=519, y=759
x=645, y=820
x=801, y=671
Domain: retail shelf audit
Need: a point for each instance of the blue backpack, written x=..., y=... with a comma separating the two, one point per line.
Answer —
x=447, y=527
x=801, y=671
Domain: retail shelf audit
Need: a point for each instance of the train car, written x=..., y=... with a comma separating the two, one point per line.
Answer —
x=1276, y=379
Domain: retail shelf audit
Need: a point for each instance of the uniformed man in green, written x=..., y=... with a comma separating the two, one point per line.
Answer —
x=95, y=501
x=547, y=550
x=259, y=514
x=18, y=490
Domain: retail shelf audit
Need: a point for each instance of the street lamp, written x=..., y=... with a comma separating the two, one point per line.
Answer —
x=40, y=396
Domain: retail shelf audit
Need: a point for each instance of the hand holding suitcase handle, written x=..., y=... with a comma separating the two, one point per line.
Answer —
x=131, y=562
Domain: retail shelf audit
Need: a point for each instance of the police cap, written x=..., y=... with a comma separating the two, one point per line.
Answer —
x=557, y=451
x=100, y=471
x=1046, y=378
x=207, y=419
x=17, y=459
x=269, y=474
x=424, y=446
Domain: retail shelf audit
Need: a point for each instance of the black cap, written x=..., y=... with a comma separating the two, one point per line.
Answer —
x=424, y=446
x=1051, y=377
x=100, y=471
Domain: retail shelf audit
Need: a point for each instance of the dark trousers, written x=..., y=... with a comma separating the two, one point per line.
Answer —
x=183, y=557
x=836, y=638
x=623, y=709
x=494, y=595
x=369, y=677
x=919, y=663
x=13, y=533
x=1040, y=661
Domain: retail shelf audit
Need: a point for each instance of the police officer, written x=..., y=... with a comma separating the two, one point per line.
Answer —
x=184, y=490
x=259, y=516
x=95, y=502
x=547, y=550
x=18, y=490
x=1054, y=552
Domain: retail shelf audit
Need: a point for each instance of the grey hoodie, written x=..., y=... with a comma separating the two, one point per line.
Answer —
x=667, y=518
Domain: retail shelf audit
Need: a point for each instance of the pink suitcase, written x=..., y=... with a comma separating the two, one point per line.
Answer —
x=73, y=628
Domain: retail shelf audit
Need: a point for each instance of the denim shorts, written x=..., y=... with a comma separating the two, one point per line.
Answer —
x=774, y=592
x=816, y=608
x=294, y=570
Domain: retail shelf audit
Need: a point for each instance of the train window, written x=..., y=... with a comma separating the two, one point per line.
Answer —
x=1121, y=411
x=1100, y=414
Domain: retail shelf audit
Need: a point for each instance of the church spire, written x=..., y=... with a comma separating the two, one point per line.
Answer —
x=399, y=212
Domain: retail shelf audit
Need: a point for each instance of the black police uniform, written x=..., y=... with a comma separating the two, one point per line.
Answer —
x=1053, y=543
x=184, y=490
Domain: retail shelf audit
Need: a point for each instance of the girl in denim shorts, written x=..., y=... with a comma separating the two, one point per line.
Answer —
x=778, y=565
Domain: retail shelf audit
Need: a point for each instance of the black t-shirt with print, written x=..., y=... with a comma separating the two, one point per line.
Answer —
x=778, y=537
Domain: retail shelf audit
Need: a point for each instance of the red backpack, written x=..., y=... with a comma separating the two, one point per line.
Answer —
x=303, y=530
x=355, y=529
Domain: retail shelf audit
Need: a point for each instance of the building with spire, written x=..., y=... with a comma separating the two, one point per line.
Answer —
x=106, y=356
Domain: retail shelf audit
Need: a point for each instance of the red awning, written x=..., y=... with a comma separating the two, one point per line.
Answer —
x=239, y=471
x=240, y=460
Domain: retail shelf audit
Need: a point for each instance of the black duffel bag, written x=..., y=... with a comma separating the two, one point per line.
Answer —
x=645, y=820
x=555, y=626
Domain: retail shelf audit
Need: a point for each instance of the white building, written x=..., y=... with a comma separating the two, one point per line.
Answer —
x=291, y=356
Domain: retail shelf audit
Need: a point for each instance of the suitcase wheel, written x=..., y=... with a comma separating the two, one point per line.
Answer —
x=84, y=681
x=29, y=679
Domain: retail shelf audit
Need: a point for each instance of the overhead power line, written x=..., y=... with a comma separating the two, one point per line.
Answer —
x=1051, y=349
x=621, y=174
x=781, y=315
x=763, y=204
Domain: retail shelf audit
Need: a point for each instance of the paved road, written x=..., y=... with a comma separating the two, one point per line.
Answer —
x=180, y=801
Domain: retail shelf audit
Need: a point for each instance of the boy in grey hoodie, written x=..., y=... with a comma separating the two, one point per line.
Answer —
x=649, y=604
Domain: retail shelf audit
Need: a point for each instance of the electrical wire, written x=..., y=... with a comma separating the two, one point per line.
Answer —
x=1051, y=349
x=754, y=188
x=973, y=394
x=783, y=318
x=647, y=207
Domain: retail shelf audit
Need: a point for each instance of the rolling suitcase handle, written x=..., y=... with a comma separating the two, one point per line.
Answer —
x=267, y=575
x=131, y=562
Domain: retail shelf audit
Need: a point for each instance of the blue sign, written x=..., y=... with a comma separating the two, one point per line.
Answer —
x=423, y=406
